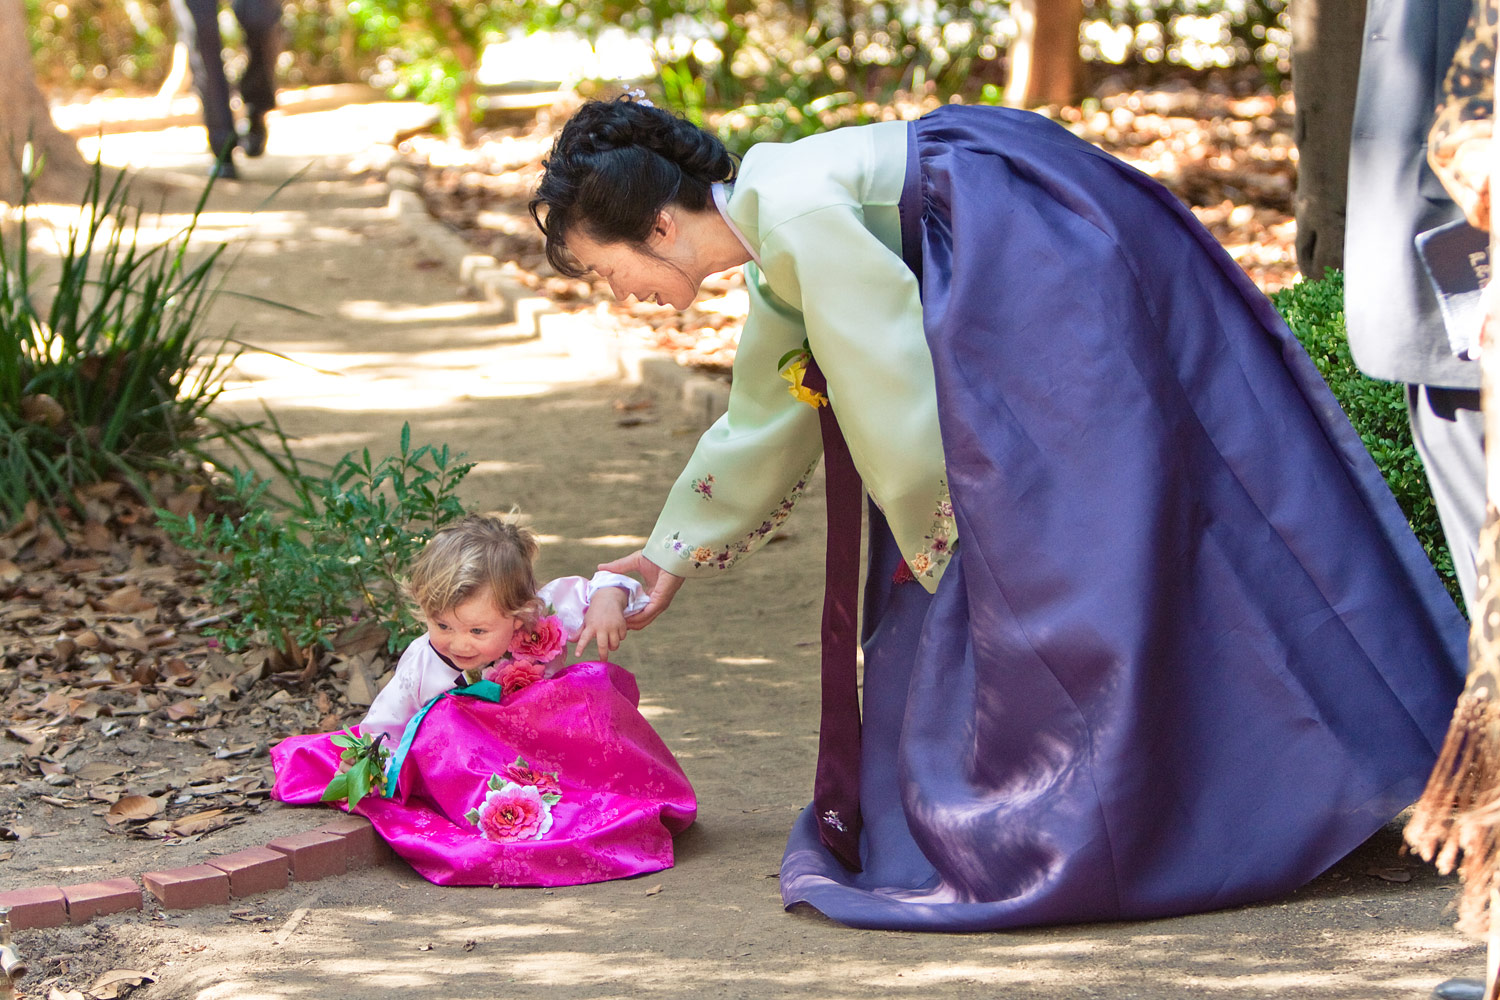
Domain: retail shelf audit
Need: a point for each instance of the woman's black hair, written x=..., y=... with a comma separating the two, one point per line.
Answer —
x=614, y=166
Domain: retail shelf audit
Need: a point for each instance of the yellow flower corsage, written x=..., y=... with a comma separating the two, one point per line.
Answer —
x=793, y=368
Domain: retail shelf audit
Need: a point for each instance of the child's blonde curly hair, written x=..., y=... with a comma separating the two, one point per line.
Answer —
x=481, y=552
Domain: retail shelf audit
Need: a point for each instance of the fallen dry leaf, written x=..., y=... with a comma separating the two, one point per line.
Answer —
x=127, y=600
x=132, y=807
x=98, y=770
x=118, y=983
x=1390, y=874
x=199, y=822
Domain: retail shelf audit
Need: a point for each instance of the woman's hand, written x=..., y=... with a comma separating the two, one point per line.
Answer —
x=661, y=586
x=604, y=622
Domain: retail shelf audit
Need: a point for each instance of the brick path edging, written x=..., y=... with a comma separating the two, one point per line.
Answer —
x=346, y=844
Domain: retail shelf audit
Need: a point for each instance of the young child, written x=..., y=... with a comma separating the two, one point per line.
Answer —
x=506, y=766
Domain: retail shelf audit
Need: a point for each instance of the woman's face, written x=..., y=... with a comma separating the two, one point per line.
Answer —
x=632, y=271
x=473, y=634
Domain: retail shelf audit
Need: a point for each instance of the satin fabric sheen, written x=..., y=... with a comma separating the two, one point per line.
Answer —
x=1188, y=654
x=623, y=793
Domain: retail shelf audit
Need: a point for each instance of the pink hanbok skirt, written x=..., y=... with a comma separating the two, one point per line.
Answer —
x=468, y=807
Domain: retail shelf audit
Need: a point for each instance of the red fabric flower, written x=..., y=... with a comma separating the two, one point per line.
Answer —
x=522, y=773
x=513, y=675
x=541, y=641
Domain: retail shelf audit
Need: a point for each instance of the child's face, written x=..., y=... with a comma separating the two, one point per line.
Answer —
x=474, y=634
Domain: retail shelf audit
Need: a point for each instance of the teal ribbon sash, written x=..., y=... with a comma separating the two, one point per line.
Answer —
x=485, y=690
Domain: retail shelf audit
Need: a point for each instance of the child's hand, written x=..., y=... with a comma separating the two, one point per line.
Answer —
x=604, y=622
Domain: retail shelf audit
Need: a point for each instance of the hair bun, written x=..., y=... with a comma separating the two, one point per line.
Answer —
x=615, y=165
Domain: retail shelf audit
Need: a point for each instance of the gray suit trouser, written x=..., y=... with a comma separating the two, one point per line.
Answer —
x=1448, y=428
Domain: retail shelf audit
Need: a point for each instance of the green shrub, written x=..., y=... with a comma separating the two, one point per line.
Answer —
x=103, y=373
x=1315, y=312
x=295, y=578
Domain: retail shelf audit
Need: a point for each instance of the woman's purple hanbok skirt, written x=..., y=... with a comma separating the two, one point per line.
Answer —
x=623, y=794
x=1188, y=654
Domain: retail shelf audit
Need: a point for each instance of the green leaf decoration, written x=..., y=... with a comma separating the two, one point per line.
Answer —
x=495, y=783
x=472, y=816
x=366, y=759
x=359, y=782
x=552, y=798
x=789, y=357
x=337, y=789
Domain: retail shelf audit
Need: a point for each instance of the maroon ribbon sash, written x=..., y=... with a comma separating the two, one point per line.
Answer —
x=836, y=787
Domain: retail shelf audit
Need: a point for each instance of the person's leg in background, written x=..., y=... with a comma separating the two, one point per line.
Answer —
x=261, y=21
x=198, y=26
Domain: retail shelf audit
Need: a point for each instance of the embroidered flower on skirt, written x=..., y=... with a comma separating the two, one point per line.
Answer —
x=522, y=773
x=511, y=812
x=831, y=818
x=704, y=487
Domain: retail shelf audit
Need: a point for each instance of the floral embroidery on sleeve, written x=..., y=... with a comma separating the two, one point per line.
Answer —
x=704, y=487
x=705, y=555
x=940, y=539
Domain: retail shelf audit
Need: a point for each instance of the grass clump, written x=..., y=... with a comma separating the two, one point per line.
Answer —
x=103, y=375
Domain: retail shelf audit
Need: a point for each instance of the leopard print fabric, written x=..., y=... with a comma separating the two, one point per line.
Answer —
x=1458, y=145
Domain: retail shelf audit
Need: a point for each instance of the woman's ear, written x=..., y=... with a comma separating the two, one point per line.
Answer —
x=663, y=231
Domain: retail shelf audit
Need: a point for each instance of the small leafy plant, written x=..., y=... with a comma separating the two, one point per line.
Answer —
x=1315, y=312
x=295, y=572
x=364, y=761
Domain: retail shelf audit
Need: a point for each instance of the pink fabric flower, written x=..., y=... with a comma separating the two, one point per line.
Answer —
x=513, y=675
x=522, y=773
x=512, y=812
x=541, y=642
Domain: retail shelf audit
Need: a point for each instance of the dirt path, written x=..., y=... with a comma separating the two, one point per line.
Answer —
x=728, y=678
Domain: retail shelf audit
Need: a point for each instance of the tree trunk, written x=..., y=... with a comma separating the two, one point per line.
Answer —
x=24, y=115
x=1326, y=41
x=1044, y=59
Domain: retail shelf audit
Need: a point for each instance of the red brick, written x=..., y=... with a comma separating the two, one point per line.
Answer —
x=313, y=855
x=40, y=907
x=96, y=899
x=256, y=869
x=188, y=888
x=364, y=846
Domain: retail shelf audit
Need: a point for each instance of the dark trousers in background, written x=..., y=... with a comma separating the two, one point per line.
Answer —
x=198, y=26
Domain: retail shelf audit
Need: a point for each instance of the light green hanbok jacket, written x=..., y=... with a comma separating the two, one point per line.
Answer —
x=820, y=219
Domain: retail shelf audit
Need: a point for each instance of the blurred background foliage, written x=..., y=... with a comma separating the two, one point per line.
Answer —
x=789, y=66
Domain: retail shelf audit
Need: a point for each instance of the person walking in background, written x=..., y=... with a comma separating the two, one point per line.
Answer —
x=198, y=25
